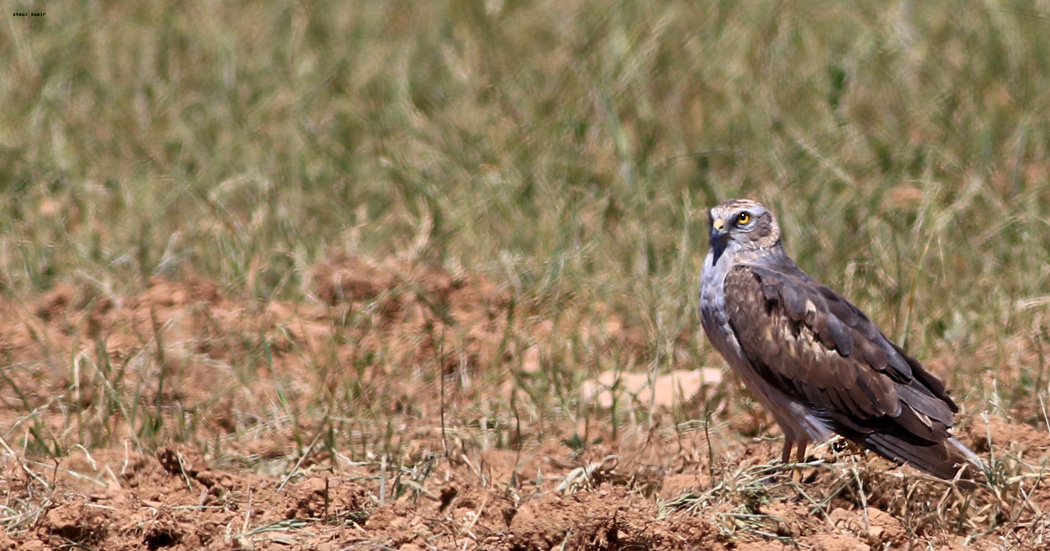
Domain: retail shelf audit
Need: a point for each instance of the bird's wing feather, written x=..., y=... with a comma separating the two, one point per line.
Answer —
x=820, y=350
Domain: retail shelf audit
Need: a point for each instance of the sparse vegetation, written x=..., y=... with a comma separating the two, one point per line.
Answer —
x=387, y=243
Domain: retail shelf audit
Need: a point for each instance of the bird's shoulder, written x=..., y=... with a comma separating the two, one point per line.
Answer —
x=778, y=288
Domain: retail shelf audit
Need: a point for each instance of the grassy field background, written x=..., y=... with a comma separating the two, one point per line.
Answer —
x=569, y=147
x=566, y=151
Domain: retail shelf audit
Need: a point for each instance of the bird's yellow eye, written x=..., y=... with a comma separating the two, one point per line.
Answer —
x=743, y=218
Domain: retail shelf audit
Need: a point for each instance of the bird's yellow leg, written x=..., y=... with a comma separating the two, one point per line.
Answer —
x=800, y=457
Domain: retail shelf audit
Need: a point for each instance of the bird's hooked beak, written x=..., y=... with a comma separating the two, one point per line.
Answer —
x=718, y=229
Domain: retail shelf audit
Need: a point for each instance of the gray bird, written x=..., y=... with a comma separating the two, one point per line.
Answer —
x=814, y=360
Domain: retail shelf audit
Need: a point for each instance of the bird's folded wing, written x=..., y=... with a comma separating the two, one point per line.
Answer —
x=820, y=350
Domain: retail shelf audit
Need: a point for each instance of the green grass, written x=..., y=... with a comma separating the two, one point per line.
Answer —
x=567, y=150
x=572, y=148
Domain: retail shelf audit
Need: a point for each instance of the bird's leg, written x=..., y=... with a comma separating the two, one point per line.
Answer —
x=786, y=454
x=800, y=457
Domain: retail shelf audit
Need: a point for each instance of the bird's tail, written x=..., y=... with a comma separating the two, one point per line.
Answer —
x=944, y=459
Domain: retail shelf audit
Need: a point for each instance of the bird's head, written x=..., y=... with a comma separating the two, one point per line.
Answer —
x=742, y=225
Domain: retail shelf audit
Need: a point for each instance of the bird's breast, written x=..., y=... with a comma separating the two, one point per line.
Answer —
x=713, y=314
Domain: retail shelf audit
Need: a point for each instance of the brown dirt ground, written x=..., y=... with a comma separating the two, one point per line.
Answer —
x=244, y=478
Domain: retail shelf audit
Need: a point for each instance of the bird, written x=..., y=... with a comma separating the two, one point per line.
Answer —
x=815, y=361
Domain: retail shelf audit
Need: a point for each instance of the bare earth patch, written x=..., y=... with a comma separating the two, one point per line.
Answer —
x=410, y=408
